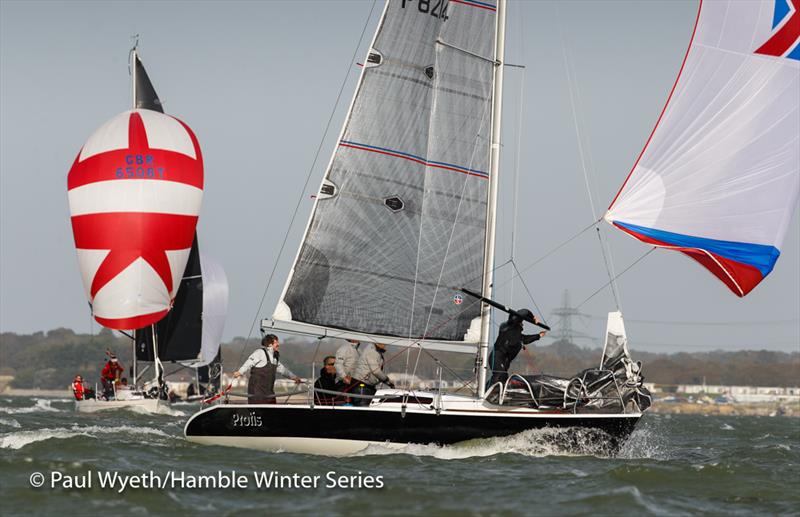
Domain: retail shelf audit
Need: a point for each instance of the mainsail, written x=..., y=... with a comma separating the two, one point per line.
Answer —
x=399, y=223
x=718, y=179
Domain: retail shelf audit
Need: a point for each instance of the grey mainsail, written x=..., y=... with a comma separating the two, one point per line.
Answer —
x=399, y=223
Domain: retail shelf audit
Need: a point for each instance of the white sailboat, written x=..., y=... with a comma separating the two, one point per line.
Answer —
x=405, y=218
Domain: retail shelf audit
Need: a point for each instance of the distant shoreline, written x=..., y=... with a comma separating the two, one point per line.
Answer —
x=791, y=409
x=663, y=408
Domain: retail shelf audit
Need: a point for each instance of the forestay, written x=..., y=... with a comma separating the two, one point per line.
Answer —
x=718, y=179
x=399, y=223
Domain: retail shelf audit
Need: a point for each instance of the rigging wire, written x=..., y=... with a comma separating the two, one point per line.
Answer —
x=310, y=171
x=520, y=110
x=546, y=255
x=522, y=280
x=574, y=98
x=648, y=252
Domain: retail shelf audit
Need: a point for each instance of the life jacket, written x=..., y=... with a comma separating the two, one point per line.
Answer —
x=77, y=390
x=261, y=386
x=110, y=371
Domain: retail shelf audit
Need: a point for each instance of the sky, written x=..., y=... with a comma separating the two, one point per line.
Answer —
x=258, y=83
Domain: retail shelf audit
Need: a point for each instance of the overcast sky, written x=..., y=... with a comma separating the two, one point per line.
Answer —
x=257, y=81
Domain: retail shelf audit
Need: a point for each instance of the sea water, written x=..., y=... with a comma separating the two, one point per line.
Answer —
x=127, y=463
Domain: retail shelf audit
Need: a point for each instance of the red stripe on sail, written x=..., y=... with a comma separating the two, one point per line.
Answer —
x=135, y=322
x=740, y=278
x=121, y=164
x=784, y=38
x=130, y=235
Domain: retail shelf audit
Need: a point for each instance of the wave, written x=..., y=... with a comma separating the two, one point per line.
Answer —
x=162, y=409
x=9, y=422
x=19, y=439
x=42, y=405
x=532, y=443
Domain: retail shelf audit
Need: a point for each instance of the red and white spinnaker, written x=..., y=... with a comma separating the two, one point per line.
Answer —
x=135, y=192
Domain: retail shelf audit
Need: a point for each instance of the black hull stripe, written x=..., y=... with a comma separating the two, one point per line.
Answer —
x=385, y=426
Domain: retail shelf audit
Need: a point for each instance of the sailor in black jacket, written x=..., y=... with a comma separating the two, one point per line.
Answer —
x=509, y=342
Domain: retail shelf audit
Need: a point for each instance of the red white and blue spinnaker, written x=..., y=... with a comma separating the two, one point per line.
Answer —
x=718, y=178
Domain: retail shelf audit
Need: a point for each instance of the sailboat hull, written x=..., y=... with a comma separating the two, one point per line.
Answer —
x=93, y=406
x=341, y=430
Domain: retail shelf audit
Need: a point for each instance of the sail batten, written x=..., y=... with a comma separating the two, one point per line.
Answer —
x=718, y=179
x=400, y=220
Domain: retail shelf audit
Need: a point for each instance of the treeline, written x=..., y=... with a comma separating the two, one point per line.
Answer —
x=50, y=360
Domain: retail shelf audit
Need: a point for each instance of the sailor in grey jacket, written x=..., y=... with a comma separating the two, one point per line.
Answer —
x=346, y=359
x=369, y=368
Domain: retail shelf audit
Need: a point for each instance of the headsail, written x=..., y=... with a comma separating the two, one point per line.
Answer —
x=399, y=223
x=191, y=332
x=179, y=332
x=215, y=308
x=718, y=179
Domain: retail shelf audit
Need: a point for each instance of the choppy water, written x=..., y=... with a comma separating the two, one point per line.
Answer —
x=673, y=465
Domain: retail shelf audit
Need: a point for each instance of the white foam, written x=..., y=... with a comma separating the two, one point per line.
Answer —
x=129, y=429
x=42, y=405
x=162, y=409
x=726, y=427
x=9, y=422
x=532, y=443
x=19, y=439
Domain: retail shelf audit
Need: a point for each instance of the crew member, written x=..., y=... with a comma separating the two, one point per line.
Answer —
x=327, y=381
x=346, y=359
x=369, y=373
x=510, y=340
x=80, y=391
x=263, y=365
x=112, y=371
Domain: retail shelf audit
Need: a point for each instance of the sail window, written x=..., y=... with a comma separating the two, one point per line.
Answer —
x=395, y=204
x=374, y=58
x=328, y=190
x=429, y=71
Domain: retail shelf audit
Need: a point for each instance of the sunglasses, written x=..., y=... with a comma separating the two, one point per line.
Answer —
x=330, y=364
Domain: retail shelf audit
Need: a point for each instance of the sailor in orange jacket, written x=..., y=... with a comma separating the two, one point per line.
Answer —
x=80, y=391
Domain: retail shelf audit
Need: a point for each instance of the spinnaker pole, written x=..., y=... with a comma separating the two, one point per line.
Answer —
x=494, y=167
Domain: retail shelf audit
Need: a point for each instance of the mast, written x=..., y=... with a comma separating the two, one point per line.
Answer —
x=132, y=65
x=494, y=167
x=133, y=74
